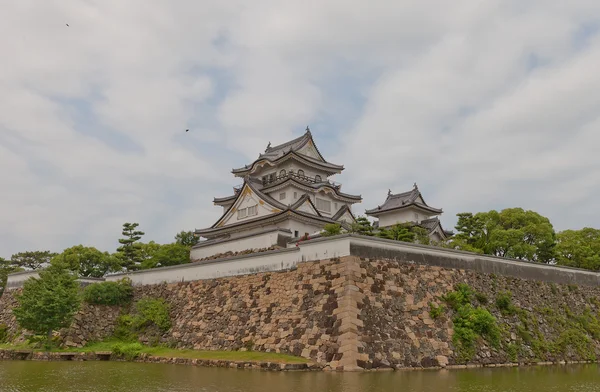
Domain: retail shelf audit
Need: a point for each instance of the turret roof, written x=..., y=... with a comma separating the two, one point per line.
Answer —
x=403, y=200
x=288, y=149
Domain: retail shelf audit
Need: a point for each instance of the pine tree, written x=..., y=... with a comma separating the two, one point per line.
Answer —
x=129, y=252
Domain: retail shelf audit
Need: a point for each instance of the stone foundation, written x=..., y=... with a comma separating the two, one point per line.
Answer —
x=356, y=313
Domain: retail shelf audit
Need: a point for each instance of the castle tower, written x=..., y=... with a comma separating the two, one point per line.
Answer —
x=288, y=188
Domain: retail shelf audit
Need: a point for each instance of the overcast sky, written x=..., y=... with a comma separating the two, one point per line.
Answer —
x=485, y=104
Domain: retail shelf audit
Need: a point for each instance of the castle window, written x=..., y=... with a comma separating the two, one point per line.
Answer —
x=317, y=178
x=300, y=173
x=252, y=210
x=323, y=205
x=282, y=196
x=335, y=207
x=416, y=217
x=242, y=213
x=282, y=173
x=295, y=233
x=295, y=195
x=265, y=180
x=272, y=177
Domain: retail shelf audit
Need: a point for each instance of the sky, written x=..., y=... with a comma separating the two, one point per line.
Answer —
x=485, y=105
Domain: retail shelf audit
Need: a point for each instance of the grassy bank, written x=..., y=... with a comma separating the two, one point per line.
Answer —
x=132, y=350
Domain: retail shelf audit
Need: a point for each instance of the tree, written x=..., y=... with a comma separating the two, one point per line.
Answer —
x=331, y=229
x=362, y=226
x=148, y=250
x=49, y=302
x=579, y=248
x=33, y=259
x=186, y=238
x=512, y=232
x=169, y=254
x=130, y=250
x=398, y=232
x=87, y=261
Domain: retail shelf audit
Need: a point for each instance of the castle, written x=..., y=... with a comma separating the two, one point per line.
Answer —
x=287, y=193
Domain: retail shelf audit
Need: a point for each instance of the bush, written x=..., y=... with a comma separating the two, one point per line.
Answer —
x=481, y=298
x=125, y=329
x=435, y=311
x=459, y=297
x=109, y=293
x=504, y=302
x=129, y=351
x=152, y=311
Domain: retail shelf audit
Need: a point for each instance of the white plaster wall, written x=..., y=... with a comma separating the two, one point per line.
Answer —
x=16, y=280
x=401, y=216
x=259, y=241
x=302, y=227
x=272, y=261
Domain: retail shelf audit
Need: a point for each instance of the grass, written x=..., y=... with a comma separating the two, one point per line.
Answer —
x=243, y=356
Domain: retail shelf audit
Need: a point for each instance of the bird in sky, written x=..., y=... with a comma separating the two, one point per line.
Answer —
x=187, y=130
x=67, y=24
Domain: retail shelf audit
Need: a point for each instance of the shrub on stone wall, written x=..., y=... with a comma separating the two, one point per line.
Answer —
x=109, y=293
x=3, y=333
x=152, y=311
x=504, y=302
x=470, y=323
x=149, y=313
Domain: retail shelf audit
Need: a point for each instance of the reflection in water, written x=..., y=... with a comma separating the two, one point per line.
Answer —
x=30, y=376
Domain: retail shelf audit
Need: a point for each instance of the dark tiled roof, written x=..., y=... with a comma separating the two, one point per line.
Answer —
x=295, y=144
x=402, y=200
x=276, y=158
x=315, y=186
x=341, y=212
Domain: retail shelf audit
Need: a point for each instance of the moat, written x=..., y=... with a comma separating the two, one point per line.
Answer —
x=21, y=376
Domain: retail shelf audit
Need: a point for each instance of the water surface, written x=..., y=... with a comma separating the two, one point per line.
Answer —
x=30, y=376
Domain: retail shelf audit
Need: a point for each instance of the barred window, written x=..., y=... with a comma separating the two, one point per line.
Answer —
x=323, y=205
x=252, y=210
x=282, y=196
x=242, y=213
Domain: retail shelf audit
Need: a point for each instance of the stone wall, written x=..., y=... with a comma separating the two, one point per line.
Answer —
x=91, y=323
x=354, y=313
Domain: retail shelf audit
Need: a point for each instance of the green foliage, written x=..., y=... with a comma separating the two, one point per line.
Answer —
x=87, y=261
x=169, y=254
x=460, y=297
x=186, y=238
x=109, y=293
x=513, y=352
x=32, y=260
x=579, y=248
x=398, y=232
x=362, y=226
x=152, y=311
x=435, y=311
x=471, y=323
x=129, y=252
x=49, y=302
x=148, y=312
x=331, y=229
x=481, y=298
x=125, y=328
x=504, y=302
x=129, y=351
x=512, y=232
x=576, y=339
x=3, y=333
x=589, y=323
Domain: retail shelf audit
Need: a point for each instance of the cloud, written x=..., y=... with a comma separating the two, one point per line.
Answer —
x=484, y=105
